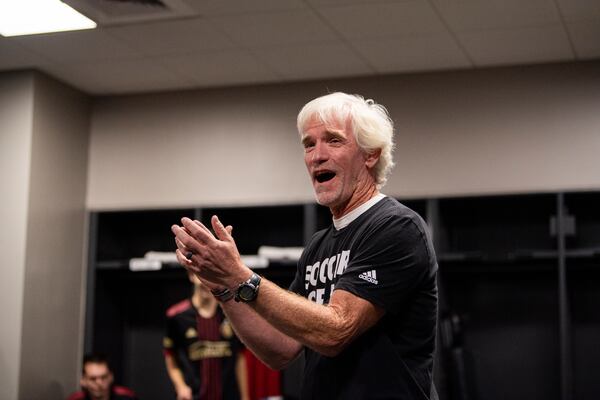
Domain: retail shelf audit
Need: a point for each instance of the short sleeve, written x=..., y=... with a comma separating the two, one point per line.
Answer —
x=296, y=286
x=389, y=262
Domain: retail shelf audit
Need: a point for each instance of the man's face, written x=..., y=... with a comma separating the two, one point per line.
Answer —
x=338, y=168
x=97, y=380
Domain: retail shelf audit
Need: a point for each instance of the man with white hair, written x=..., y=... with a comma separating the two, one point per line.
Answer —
x=363, y=304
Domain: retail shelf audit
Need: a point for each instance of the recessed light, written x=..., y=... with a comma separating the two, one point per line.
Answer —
x=29, y=17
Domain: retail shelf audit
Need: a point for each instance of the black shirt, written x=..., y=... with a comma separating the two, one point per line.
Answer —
x=386, y=257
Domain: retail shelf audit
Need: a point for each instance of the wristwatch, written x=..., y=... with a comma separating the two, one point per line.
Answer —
x=248, y=290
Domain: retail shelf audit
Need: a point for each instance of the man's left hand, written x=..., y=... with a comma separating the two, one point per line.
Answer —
x=214, y=258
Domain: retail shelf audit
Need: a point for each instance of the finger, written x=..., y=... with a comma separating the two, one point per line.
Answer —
x=184, y=250
x=188, y=264
x=229, y=229
x=182, y=259
x=187, y=242
x=201, y=225
x=221, y=232
x=180, y=245
x=198, y=231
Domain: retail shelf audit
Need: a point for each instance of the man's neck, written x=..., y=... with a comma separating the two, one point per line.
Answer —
x=204, y=302
x=353, y=202
x=349, y=217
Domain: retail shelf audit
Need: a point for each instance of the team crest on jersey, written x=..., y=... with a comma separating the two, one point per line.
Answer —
x=226, y=329
x=209, y=349
x=191, y=333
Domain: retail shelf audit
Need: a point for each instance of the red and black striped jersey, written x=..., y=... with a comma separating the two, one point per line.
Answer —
x=205, y=349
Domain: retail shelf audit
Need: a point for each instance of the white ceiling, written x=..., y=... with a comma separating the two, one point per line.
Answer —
x=208, y=43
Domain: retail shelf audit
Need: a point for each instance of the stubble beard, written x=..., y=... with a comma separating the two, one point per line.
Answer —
x=329, y=198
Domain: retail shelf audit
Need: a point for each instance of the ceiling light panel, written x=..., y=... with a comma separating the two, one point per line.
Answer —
x=28, y=17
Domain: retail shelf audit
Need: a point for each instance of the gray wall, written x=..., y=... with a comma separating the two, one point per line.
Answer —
x=16, y=120
x=500, y=130
x=56, y=235
x=44, y=167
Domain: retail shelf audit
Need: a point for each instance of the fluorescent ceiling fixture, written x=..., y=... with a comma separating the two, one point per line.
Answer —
x=28, y=17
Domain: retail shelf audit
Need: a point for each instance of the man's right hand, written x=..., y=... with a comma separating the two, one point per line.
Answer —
x=214, y=258
x=184, y=393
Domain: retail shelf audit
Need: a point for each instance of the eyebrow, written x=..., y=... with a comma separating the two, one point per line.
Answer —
x=328, y=134
x=331, y=133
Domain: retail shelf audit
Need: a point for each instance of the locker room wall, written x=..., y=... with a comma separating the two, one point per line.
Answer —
x=501, y=130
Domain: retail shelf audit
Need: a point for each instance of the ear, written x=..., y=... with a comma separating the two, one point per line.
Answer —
x=82, y=383
x=372, y=158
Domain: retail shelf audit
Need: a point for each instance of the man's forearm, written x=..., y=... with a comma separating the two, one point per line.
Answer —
x=241, y=373
x=269, y=344
x=327, y=329
x=174, y=372
x=311, y=324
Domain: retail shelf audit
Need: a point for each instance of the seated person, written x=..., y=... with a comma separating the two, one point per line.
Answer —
x=97, y=381
x=203, y=357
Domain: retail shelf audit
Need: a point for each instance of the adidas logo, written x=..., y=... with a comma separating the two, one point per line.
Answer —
x=370, y=276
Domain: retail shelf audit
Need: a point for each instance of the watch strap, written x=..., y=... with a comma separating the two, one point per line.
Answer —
x=222, y=295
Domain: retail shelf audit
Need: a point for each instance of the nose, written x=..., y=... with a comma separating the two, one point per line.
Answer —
x=320, y=153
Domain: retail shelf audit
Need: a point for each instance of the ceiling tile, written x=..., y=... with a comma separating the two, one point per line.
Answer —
x=516, y=46
x=468, y=15
x=171, y=37
x=259, y=41
x=586, y=38
x=580, y=10
x=13, y=55
x=312, y=61
x=388, y=19
x=230, y=7
x=77, y=46
x=423, y=52
x=319, y=3
x=220, y=68
x=262, y=30
x=125, y=76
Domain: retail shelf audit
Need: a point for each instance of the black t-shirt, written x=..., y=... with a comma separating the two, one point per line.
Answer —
x=206, y=350
x=386, y=257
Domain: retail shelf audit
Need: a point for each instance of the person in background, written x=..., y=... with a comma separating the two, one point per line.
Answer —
x=203, y=357
x=363, y=304
x=97, y=381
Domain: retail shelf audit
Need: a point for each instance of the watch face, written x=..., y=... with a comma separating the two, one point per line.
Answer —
x=246, y=292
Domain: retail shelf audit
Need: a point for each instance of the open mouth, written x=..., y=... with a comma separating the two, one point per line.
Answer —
x=324, y=176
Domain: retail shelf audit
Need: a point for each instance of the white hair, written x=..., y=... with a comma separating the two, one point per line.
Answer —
x=371, y=125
